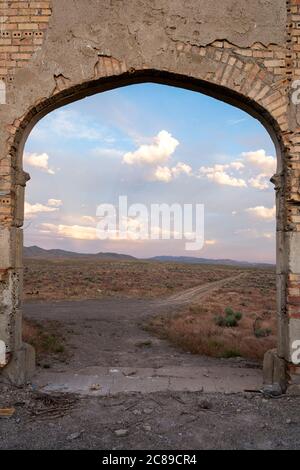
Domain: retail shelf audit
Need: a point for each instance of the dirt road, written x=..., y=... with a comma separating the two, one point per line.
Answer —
x=128, y=390
x=196, y=293
x=109, y=347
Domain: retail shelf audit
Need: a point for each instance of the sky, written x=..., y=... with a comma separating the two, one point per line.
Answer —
x=154, y=144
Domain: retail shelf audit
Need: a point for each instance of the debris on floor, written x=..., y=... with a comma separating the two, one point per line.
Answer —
x=7, y=412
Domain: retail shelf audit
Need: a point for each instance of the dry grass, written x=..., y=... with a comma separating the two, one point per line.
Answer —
x=46, y=339
x=86, y=279
x=194, y=328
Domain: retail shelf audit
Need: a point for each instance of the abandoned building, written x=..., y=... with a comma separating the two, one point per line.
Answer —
x=244, y=53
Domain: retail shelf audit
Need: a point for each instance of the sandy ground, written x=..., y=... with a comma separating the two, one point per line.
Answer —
x=160, y=421
x=106, y=341
x=111, y=349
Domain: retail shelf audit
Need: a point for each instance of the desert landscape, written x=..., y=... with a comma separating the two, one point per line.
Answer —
x=143, y=354
x=204, y=326
x=207, y=326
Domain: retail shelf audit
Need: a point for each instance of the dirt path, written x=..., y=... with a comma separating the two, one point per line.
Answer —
x=111, y=352
x=195, y=293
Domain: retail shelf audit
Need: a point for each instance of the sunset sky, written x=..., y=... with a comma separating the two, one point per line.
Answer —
x=155, y=144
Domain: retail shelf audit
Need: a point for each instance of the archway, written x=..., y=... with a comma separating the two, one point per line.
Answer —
x=72, y=94
x=253, y=67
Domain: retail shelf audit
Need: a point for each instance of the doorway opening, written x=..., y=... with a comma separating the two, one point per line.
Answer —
x=117, y=309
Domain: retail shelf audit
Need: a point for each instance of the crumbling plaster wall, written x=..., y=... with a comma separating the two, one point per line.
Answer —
x=53, y=52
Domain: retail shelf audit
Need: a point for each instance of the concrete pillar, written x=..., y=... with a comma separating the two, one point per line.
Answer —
x=16, y=359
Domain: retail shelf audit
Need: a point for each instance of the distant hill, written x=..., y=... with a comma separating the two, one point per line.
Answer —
x=37, y=252
x=194, y=260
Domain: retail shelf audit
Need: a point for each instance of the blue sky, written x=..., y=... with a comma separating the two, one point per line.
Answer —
x=155, y=144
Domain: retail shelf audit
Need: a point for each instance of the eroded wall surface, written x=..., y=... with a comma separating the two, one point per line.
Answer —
x=53, y=52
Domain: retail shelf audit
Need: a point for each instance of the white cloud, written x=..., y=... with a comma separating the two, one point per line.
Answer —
x=262, y=212
x=71, y=124
x=210, y=242
x=237, y=165
x=32, y=210
x=226, y=179
x=163, y=173
x=40, y=161
x=181, y=168
x=259, y=182
x=260, y=159
x=218, y=175
x=166, y=174
x=227, y=174
x=268, y=235
x=88, y=219
x=250, y=233
x=83, y=232
x=160, y=151
x=77, y=232
x=55, y=202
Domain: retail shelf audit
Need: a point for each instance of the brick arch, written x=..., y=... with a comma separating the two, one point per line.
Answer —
x=63, y=94
x=251, y=92
x=254, y=76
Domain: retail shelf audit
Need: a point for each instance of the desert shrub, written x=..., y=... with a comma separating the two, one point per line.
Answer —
x=220, y=321
x=231, y=353
x=44, y=338
x=262, y=332
x=229, y=312
x=231, y=321
x=238, y=316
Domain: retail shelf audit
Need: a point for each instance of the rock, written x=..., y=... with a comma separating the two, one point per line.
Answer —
x=147, y=427
x=205, y=405
x=121, y=432
x=288, y=421
x=147, y=411
x=143, y=344
x=7, y=412
x=74, y=436
x=95, y=387
x=273, y=390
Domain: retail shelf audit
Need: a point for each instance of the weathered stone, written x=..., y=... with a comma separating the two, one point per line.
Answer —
x=11, y=248
x=21, y=368
x=275, y=375
x=244, y=53
x=293, y=252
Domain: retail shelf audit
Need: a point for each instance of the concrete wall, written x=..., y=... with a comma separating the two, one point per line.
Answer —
x=54, y=52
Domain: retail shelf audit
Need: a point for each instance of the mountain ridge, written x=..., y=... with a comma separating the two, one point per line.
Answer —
x=37, y=252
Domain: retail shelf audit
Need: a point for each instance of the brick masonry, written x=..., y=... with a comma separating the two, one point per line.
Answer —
x=54, y=52
x=22, y=29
